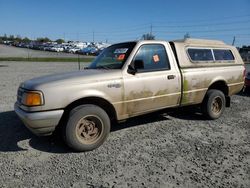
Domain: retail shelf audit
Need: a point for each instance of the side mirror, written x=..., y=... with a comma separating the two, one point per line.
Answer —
x=131, y=70
x=137, y=64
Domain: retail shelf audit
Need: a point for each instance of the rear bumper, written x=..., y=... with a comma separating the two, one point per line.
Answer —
x=40, y=123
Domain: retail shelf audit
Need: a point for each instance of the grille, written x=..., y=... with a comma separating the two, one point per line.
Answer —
x=20, y=95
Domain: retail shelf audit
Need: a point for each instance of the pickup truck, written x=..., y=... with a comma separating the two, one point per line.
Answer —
x=130, y=79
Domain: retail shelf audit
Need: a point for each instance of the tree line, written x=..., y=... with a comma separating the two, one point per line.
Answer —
x=19, y=39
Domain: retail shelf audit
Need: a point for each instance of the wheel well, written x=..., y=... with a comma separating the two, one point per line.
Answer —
x=102, y=103
x=220, y=85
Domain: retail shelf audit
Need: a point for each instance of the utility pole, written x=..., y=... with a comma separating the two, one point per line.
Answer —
x=233, y=41
x=93, y=36
x=151, y=30
x=78, y=59
x=77, y=36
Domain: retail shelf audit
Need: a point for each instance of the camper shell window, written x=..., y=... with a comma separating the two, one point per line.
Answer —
x=206, y=55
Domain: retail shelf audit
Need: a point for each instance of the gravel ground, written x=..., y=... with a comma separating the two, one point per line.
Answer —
x=11, y=51
x=174, y=149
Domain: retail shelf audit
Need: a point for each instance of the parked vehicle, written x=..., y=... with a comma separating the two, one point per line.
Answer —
x=57, y=49
x=96, y=53
x=247, y=81
x=90, y=50
x=73, y=50
x=48, y=47
x=131, y=79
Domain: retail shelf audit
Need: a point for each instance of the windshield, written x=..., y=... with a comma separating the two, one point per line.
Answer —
x=113, y=57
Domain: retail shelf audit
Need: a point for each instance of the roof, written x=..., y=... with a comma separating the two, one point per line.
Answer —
x=200, y=41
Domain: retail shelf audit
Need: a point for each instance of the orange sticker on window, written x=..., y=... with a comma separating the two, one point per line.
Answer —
x=156, y=58
x=121, y=57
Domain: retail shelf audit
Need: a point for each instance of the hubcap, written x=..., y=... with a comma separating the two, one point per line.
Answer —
x=217, y=105
x=89, y=129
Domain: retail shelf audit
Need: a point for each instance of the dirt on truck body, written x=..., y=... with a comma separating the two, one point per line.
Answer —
x=131, y=79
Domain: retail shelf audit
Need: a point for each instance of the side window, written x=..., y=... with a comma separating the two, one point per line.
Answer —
x=200, y=54
x=223, y=55
x=153, y=57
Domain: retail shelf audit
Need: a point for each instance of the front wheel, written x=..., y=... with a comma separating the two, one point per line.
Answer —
x=87, y=128
x=213, y=104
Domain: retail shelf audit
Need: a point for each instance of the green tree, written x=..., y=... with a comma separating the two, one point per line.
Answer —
x=18, y=38
x=60, y=41
x=26, y=40
x=42, y=40
x=11, y=38
x=148, y=36
x=5, y=37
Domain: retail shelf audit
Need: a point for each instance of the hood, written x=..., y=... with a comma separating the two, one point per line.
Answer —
x=76, y=77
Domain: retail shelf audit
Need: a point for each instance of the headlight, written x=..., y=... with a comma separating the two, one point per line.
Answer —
x=32, y=98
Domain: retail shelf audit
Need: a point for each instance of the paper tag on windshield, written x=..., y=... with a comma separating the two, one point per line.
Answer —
x=121, y=50
x=121, y=57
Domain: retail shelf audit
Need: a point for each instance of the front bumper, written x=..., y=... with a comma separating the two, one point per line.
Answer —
x=40, y=123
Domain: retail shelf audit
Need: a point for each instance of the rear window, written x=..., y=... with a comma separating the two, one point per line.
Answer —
x=200, y=54
x=221, y=55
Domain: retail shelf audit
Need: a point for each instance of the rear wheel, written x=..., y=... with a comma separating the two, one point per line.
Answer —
x=87, y=128
x=213, y=104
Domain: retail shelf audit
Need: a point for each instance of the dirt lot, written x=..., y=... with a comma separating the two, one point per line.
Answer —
x=175, y=149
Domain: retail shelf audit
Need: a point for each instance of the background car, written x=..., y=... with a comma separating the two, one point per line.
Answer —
x=73, y=50
x=247, y=81
x=90, y=50
x=57, y=49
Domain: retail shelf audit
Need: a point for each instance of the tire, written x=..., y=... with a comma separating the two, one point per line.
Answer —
x=87, y=128
x=213, y=104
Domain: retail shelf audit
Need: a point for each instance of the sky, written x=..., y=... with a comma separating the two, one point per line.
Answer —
x=117, y=20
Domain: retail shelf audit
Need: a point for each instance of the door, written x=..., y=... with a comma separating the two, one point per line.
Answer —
x=155, y=85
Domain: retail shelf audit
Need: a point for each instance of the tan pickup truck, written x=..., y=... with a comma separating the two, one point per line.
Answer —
x=130, y=79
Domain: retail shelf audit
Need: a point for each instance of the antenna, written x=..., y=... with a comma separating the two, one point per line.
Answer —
x=233, y=41
x=151, y=29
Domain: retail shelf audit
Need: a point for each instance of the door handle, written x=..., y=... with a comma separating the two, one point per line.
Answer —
x=171, y=77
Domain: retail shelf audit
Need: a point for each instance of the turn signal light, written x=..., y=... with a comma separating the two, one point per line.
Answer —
x=32, y=99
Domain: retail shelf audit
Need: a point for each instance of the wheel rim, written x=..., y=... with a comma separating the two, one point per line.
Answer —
x=89, y=129
x=217, y=105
